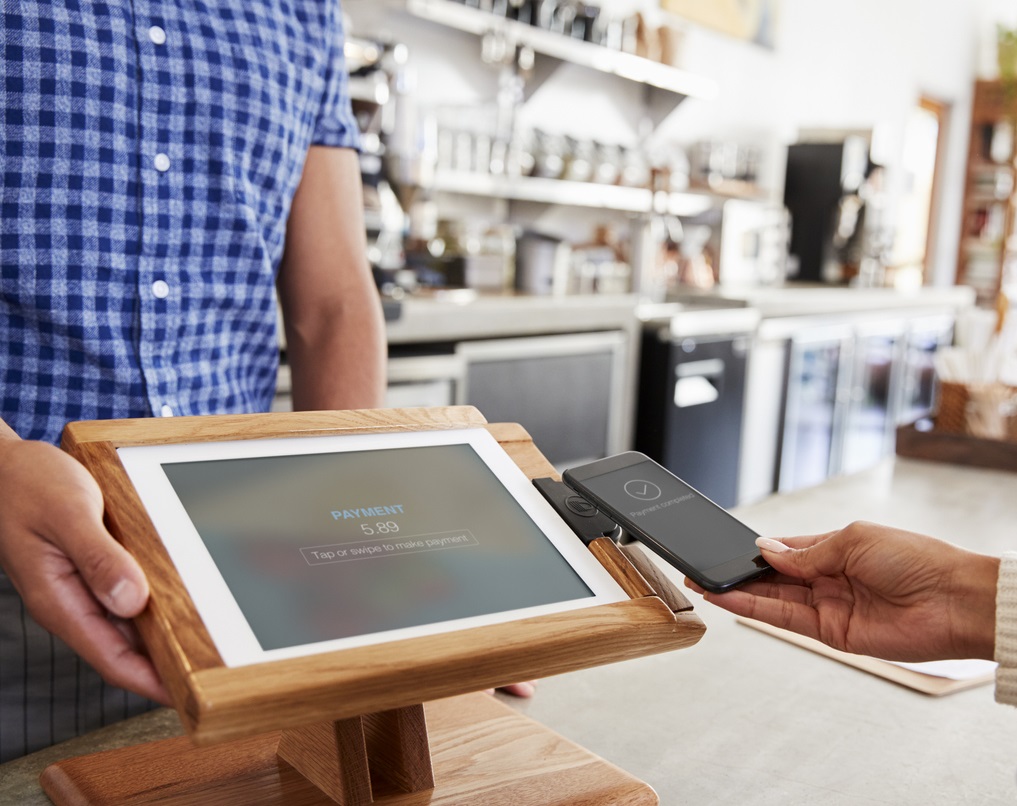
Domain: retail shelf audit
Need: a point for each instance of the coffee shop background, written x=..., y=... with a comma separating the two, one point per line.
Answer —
x=582, y=217
x=832, y=69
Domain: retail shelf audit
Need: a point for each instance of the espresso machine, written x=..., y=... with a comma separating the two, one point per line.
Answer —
x=821, y=179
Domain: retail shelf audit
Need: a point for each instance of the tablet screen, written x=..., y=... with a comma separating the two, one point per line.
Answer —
x=302, y=545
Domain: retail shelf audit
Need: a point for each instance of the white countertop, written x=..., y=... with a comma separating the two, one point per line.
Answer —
x=463, y=314
x=802, y=300
x=455, y=315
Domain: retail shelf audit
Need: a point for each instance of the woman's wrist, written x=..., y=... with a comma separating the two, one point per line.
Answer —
x=1006, y=612
x=974, y=606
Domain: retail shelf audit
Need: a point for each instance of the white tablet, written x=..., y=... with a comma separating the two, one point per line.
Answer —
x=295, y=546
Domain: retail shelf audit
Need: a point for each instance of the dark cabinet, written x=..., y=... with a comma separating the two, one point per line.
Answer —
x=691, y=400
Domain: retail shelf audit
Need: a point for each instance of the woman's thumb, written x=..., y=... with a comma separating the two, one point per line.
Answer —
x=786, y=560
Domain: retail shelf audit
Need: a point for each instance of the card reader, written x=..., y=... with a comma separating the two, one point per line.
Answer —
x=586, y=520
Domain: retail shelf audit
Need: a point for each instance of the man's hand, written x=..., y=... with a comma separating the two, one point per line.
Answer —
x=75, y=579
x=875, y=590
x=524, y=690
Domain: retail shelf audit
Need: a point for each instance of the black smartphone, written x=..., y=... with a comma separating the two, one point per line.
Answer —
x=708, y=544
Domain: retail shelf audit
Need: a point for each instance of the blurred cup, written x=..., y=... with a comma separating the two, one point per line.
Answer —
x=542, y=264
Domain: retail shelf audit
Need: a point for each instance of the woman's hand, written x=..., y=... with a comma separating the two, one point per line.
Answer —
x=875, y=590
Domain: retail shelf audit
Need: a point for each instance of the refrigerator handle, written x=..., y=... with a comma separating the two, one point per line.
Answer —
x=698, y=382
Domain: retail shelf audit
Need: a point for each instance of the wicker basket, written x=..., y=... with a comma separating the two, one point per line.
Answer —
x=957, y=404
x=952, y=408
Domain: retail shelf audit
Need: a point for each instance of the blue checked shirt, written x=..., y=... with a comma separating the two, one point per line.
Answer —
x=149, y=155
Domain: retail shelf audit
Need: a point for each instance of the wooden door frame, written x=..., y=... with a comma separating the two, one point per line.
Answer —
x=942, y=110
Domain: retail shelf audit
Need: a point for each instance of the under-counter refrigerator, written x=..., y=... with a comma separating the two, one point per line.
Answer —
x=816, y=387
x=692, y=395
x=849, y=385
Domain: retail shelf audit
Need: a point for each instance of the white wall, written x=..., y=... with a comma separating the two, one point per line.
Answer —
x=842, y=65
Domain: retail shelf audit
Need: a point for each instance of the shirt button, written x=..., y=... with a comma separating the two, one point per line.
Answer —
x=166, y=410
x=160, y=289
x=157, y=35
x=162, y=162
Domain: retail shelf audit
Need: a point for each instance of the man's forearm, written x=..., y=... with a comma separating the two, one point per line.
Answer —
x=6, y=432
x=335, y=330
x=338, y=362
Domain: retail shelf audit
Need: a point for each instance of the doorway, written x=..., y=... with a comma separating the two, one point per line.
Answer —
x=914, y=246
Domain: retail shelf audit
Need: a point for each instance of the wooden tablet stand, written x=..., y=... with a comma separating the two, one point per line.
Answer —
x=348, y=727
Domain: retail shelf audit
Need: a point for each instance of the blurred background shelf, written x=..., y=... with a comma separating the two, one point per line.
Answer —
x=566, y=193
x=665, y=86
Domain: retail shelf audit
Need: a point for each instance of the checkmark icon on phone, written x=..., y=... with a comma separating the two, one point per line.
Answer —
x=642, y=490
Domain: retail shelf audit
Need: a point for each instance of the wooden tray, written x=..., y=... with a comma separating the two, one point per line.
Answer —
x=958, y=449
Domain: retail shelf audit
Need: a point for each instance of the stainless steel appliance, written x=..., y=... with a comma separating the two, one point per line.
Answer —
x=568, y=391
x=818, y=177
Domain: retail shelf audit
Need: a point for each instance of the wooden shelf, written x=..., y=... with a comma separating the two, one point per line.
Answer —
x=980, y=200
x=732, y=189
x=987, y=111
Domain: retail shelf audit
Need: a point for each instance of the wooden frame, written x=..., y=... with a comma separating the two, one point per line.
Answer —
x=323, y=699
x=217, y=703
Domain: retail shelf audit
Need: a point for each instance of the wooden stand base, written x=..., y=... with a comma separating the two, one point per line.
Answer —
x=482, y=752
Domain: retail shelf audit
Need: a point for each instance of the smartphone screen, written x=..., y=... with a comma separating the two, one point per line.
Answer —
x=673, y=519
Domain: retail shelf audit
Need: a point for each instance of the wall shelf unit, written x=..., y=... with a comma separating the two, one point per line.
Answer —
x=571, y=194
x=987, y=259
x=665, y=86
